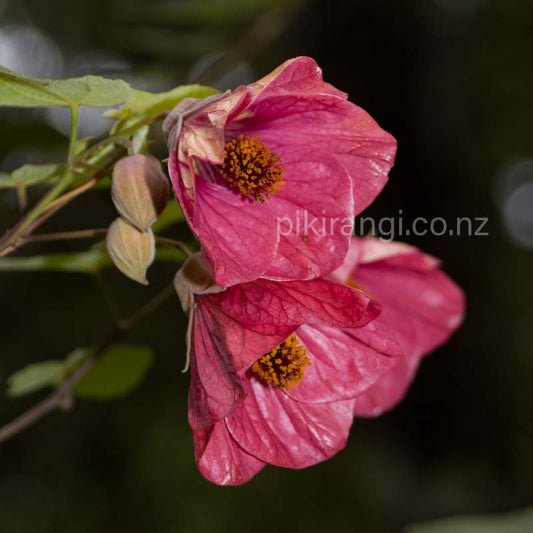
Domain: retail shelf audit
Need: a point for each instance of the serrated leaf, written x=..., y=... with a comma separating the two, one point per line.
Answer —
x=89, y=262
x=30, y=175
x=116, y=373
x=153, y=103
x=515, y=522
x=24, y=91
x=171, y=216
x=35, y=377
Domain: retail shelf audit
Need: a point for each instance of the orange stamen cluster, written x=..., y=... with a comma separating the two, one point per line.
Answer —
x=251, y=169
x=284, y=366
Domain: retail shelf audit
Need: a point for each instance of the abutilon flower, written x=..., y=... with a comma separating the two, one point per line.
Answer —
x=420, y=303
x=285, y=145
x=276, y=368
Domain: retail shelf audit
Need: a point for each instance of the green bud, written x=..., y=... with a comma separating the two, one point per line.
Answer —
x=132, y=251
x=139, y=190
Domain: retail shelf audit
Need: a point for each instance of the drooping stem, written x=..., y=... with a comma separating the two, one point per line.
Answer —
x=181, y=246
x=61, y=397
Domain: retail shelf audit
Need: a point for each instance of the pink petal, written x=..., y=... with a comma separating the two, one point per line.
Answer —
x=279, y=430
x=300, y=75
x=422, y=305
x=238, y=236
x=423, y=308
x=388, y=391
x=327, y=124
x=316, y=301
x=215, y=388
x=220, y=459
x=345, y=362
x=393, y=254
x=243, y=342
x=314, y=217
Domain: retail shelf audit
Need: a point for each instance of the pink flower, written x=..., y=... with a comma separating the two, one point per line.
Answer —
x=275, y=368
x=248, y=162
x=422, y=305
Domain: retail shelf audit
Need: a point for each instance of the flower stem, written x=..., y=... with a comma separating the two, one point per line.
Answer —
x=61, y=397
x=176, y=244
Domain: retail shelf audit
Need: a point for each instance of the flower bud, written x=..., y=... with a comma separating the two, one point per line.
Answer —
x=139, y=190
x=131, y=250
x=194, y=278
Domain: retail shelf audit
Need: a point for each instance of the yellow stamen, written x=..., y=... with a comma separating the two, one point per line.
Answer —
x=284, y=366
x=251, y=169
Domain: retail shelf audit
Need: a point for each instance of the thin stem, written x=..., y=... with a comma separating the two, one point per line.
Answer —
x=22, y=197
x=61, y=396
x=145, y=122
x=176, y=244
x=66, y=235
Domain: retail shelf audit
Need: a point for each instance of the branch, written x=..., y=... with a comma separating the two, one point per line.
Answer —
x=66, y=235
x=61, y=397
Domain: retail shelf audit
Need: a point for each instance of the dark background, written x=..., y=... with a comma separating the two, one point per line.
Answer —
x=449, y=79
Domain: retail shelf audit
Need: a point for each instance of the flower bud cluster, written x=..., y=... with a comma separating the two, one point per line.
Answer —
x=140, y=192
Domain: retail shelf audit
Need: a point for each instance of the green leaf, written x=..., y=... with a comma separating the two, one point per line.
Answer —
x=148, y=103
x=90, y=262
x=116, y=373
x=75, y=358
x=34, y=377
x=515, y=522
x=171, y=216
x=30, y=175
x=24, y=91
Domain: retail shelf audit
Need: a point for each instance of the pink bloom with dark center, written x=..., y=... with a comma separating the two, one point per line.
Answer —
x=249, y=165
x=421, y=304
x=275, y=370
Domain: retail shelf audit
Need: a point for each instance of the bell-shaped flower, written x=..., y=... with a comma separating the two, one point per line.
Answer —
x=275, y=370
x=271, y=174
x=420, y=303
